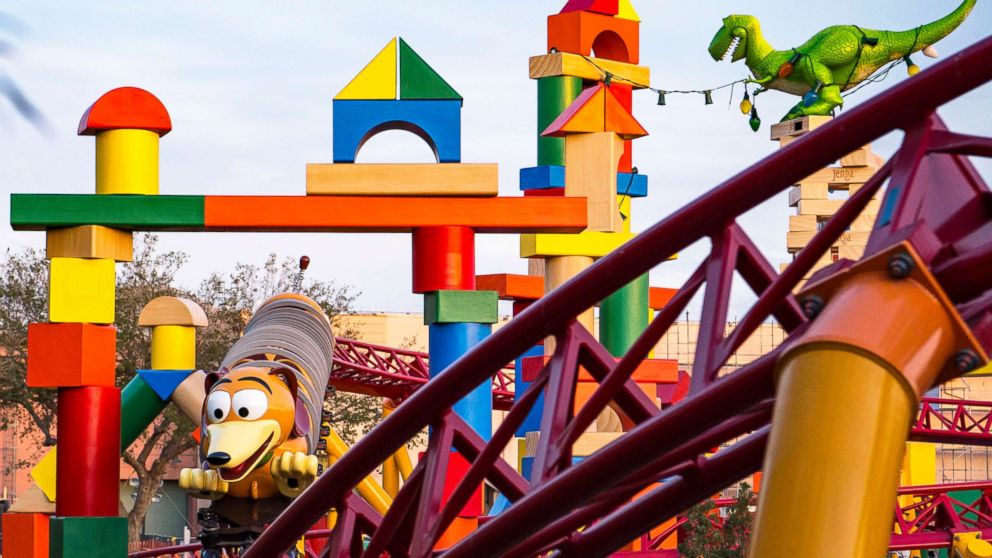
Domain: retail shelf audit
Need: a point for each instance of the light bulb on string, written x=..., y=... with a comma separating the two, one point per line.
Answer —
x=661, y=98
x=785, y=70
x=812, y=96
x=755, y=122
x=746, y=103
x=709, y=96
x=911, y=68
x=608, y=80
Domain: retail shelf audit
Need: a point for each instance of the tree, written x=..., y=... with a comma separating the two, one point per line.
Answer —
x=227, y=298
x=708, y=535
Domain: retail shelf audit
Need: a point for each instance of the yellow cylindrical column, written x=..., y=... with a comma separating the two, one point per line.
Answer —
x=173, y=347
x=390, y=472
x=127, y=162
x=368, y=488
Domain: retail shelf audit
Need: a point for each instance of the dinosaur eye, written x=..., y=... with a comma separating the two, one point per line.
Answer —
x=218, y=406
x=250, y=404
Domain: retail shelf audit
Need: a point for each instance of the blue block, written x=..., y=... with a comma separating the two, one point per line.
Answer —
x=546, y=177
x=532, y=422
x=164, y=382
x=437, y=122
x=447, y=343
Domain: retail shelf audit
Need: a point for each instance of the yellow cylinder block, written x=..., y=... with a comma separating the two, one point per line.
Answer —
x=173, y=347
x=841, y=419
x=127, y=162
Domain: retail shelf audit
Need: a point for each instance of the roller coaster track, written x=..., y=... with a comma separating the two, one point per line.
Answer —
x=936, y=205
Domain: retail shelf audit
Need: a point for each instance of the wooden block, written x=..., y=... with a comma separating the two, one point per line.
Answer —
x=864, y=222
x=820, y=208
x=591, y=442
x=81, y=291
x=557, y=271
x=659, y=297
x=190, y=394
x=545, y=193
x=587, y=243
x=512, y=287
x=419, y=81
x=446, y=307
x=443, y=259
x=437, y=122
x=33, y=500
x=449, y=179
x=840, y=177
x=585, y=33
x=394, y=214
x=25, y=535
x=33, y=212
x=552, y=177
x=171, y=310
x=606, y=7
x=88, y=537
x=71, y=355
x=573, y=65
x=802, y=223
x=89, y=241
x=863, y=157
x=457, y=468
x=597, y=109
x=127, y=162
x=625, y=10
x=125, y=108
x=590, y=172
x=798, y=126
x=377, y=80
x=851, y=252
x=808, y=191
x=795, y=241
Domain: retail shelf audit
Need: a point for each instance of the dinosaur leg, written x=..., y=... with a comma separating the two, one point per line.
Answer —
x=828, y=97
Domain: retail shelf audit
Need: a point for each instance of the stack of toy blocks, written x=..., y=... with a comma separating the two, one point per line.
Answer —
x=75, y=352
x=818, y=196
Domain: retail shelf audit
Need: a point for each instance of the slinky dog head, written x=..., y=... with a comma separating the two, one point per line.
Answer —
x=248, y=413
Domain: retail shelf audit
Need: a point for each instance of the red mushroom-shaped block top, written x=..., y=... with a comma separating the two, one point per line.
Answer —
x=126, y=107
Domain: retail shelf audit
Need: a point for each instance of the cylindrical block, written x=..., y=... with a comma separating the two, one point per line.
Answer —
x=173, y=347
x=554, y=95
x=623, y=316
x=558, y=271
x=88, y=462
x=140, y=405
x=447, y=343
x=443, y=259
x=127, y=162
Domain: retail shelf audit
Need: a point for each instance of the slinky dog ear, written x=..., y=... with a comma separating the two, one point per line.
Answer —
x=212, y=378
x=301, y=420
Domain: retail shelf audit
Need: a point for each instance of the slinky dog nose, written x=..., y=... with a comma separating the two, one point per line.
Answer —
x=218, y=458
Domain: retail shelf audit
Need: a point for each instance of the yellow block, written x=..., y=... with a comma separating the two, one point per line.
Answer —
x=587, y=243
x=971, y=545
x=127, y=162
x=412, y=179
x=89, y=241
x=81, y=291
x=173, y=347
x=43, y=474
x=627, y=11
x=377, y=80
x=574, y=65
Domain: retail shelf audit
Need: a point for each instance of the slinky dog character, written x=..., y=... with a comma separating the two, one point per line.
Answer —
x=261, y=416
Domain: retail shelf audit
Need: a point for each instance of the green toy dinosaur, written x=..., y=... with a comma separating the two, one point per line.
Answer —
x=834, y=60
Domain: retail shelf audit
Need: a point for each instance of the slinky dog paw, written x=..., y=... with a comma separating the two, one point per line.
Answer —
x=293, y=472
x=206, y=483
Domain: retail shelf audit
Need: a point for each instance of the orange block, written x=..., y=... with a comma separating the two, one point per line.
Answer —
x=659, y=297
x=71, y=355
x=25, y=535
x=596, y=109
x=584, y=390
x=598, y=35
x=512, y=287
x=128, y=108
x=460, y=528
x=651, y=371
x=392, y=214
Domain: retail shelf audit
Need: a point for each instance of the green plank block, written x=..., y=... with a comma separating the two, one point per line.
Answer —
x=418, y=80
x=554, y=95
x=450, y=307
x=41, y=211
x=140, y=405
x=87, y=537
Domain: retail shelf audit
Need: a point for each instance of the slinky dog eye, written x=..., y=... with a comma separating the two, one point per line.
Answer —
x=218, y=406
x=250, y=404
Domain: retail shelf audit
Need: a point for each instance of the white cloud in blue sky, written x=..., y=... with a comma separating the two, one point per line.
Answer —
x=249, y=88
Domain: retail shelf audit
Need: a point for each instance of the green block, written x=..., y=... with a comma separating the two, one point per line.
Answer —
x=453, y=307
x=87, y=537
x=418, y=80
x=623, y=316
x=31, y=212
x=140, y=405
x=554, y=95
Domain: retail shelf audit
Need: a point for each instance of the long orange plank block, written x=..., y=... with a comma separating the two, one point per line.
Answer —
x=392, y=214
x=531, y=287
x=650, y=371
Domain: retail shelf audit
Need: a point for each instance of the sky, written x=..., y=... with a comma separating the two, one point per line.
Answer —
x=249, y=88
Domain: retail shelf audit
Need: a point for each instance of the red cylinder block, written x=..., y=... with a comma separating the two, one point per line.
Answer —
x=88, y=459
x=443, y=259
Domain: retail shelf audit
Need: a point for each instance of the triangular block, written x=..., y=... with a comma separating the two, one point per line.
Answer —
x=377, y=81
x=597, y=109
x=418, y=80
x=607, y=7
x=164, y=382
x=627, y=11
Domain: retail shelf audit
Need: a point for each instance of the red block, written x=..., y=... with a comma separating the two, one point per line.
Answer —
x=457, y=468
x=25, y=535
x=625, y=93
x=88, y=463
x=512, y=287
x=591, y=34
x=607, y=7
x=443, y=259
x=71, y=355
x=649, y=371
x=545, y=193
x=126, y=107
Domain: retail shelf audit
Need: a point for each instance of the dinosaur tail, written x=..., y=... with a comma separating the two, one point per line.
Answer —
x=291, y=331
x=929, y=33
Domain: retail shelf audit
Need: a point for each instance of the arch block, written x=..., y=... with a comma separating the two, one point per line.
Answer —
x=437, y=122
x=580, y=32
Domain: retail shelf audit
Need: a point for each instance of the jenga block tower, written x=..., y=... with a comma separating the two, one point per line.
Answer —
x=819, y=196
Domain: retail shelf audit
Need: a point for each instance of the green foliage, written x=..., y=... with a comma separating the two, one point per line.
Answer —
x=708, y=535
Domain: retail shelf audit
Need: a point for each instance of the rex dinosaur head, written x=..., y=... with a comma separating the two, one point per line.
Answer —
x=732, y=37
